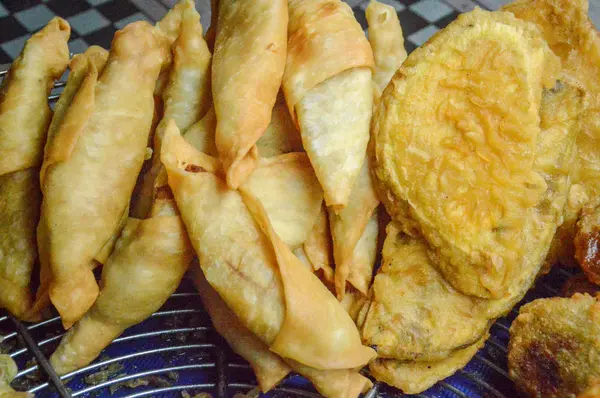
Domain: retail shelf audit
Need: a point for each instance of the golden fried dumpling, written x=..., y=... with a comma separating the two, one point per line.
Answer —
x=248, y=64
x=328, y=89
x=24, y=119
x=268, y=367
x=354, y=230
x=463, y=157
x=572, y=36
x=185, y=97
x=95, y=157
x=554, y=347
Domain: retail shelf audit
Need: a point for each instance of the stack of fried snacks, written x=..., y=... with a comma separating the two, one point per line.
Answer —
x=24, y=119
x=91, y=164
x=571, y=35
x=256, y=158
x=477, y=185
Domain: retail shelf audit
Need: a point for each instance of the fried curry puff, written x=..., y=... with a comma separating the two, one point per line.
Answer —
x=92, y=164
x=24, y=118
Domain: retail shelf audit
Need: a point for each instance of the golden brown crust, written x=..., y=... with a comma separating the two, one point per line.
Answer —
x=248, y=63
x=587, y=242
x=309, y=61
x=457, y=188
x=555, y=345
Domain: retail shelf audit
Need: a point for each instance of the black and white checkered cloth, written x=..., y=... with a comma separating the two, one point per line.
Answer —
x=95, y=21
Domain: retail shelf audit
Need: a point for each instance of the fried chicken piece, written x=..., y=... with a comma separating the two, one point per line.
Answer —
x=587, y=242
x=554, y=349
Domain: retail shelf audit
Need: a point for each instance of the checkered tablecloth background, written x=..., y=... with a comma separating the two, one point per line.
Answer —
x=95, y=21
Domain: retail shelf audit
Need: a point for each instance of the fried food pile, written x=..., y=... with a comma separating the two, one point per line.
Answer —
x=254, y=160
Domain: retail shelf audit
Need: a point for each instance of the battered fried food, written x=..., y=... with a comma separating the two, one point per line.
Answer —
x=572, y=36
x=462, y=159
x=414, y=313
x=414, y=377
x=587, y=242
x=554, y=347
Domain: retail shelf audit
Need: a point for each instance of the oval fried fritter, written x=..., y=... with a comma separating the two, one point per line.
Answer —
x=414, y=313
x=460, y=152
x=587, y=242
x=554, y=349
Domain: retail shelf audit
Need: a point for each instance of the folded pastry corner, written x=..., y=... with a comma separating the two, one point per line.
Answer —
x=387, y=41
x=268, y=367
x=248, y=64
x=328, y=90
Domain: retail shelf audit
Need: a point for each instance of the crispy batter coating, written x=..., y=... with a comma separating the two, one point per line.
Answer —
x=554, y=349
x=464, y=158
x=587, y=242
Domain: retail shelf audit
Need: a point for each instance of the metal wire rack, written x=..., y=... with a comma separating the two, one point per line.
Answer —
x=176, y=353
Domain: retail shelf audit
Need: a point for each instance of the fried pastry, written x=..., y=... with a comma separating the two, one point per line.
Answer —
x=572, y=36
x=95, y=157
x=352, y=228
x=147, y=265
x=587, y=242
x=185, y=98
x=24, y=119
x=463, y=161
x=268, y=367
x=387, y=41
x=248, y=64
x=318, y=248
x=250, y=250
x=555, y=345
x=328, y=89
x=8, y=371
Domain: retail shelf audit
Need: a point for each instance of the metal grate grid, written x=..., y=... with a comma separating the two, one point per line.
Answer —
x=176, y=351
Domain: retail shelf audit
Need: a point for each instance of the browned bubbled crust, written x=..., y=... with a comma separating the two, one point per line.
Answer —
x=587, y=242
x=554, y=347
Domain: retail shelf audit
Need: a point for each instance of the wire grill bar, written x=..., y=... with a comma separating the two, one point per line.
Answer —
x=41, y=359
